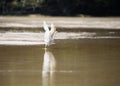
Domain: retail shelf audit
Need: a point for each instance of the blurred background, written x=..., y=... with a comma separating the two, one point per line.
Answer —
x=60, y=7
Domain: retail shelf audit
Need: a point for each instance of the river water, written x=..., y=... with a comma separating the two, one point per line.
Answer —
x=82, y=58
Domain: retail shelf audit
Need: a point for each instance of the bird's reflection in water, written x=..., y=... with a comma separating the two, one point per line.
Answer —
x=49, y=65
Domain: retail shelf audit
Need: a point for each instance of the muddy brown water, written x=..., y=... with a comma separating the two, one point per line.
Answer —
x=76, y=59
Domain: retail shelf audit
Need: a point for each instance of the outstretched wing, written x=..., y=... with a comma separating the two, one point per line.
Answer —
x=45, y=26
x=53, y=30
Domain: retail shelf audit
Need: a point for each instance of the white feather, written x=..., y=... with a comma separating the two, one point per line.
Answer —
x=46, y=28
x=48, y=37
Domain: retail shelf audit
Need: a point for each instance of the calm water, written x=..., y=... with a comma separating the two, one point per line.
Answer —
x=75, y=60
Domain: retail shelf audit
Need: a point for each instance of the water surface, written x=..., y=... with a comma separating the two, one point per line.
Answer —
x=76, y=59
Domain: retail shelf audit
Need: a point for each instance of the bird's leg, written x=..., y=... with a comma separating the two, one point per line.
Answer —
x=45, y=46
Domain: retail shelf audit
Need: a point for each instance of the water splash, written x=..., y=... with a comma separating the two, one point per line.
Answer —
x=36, y=38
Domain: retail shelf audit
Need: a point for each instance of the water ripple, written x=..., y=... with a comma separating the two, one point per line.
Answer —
x=36, y=38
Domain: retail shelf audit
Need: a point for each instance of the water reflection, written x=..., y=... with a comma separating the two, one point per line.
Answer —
x=48, y=70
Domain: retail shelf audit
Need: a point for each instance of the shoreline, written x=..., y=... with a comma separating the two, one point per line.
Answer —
x=79, y=23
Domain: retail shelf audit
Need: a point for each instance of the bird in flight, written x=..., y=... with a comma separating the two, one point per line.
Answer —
x=49, y=33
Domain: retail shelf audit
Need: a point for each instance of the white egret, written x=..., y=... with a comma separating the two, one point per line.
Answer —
x=49, y=33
